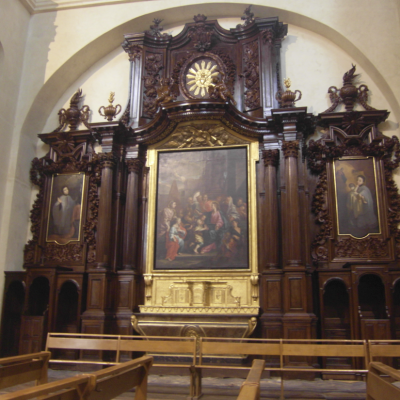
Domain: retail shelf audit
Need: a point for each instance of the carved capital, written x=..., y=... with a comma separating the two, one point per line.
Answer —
x=134, y=165
x=271, y=158
x=134, y=51
x=290, y=149
x=107, y=160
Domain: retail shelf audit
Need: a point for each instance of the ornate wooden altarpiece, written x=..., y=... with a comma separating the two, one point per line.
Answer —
x=310, y=250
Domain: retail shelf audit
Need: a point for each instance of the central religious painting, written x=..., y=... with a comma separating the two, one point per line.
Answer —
x=201, y=213
x=201, y=200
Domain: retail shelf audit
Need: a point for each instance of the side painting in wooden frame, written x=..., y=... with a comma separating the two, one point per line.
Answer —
x=201, y=216
x=65, y=208
x=357, y=202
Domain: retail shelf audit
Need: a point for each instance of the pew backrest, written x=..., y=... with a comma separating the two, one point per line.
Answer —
x=383, y=348
x=24, y=368
x=101, y=385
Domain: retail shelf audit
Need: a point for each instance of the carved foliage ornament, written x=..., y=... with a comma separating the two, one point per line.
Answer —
x=251, y=75
x=153, y=65
x=204, y=135
x=247, y=17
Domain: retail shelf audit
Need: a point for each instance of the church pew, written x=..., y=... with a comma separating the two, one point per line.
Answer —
x=183, y=346
x=284, y=348
x=250, y=389
x=381, y=387
x=101, y=385
x=25, y=368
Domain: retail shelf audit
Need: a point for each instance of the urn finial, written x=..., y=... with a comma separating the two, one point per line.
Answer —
x=110, y=112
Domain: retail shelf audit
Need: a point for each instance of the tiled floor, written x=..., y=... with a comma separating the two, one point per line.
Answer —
x=177, y=387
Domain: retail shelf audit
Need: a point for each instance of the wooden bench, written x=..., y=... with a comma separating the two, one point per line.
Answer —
x=285, y=349
x=25, y=368
x=381, y=387
x=101, y=385
x=183, y=346
x=250, y=389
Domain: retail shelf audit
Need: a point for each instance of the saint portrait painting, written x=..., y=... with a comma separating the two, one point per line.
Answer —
x=356, y=197
x=64, y=219
x=202, y=209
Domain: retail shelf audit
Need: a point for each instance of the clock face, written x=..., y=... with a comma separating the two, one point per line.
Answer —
x=199, y=77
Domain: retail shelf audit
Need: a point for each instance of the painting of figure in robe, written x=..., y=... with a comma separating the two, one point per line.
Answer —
x=64, y=221
x=356, y=197
x=202, y=209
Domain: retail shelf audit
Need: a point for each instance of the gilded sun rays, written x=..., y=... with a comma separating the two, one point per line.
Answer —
x=200, y=77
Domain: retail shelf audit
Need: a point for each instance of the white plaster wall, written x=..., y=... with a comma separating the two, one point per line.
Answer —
x=80, y=48
x=14, y=20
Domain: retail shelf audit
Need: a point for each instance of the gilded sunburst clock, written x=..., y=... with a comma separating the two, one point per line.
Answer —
x=197, y=75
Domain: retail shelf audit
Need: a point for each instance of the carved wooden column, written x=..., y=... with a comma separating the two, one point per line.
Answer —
x=127, y=277
x=105, y=212
x=131, y=217
x=271, y=230
x=271, y=275
x=291, y=225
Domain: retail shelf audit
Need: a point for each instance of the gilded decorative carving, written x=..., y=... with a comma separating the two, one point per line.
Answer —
x=252, y=323
x=67, y=253
x=153, y=65
x=111, y=111
x=254, y=287
x=200, y=34
x=148, y=281
x=136, y=327
x=200, y=77
x=368, y=248
x=290, y=148
x=251, y=75
x=270, y=157
x=349, y=93
x=200, y=310
x=287, y=98
x=201, y=135
x=74, y=115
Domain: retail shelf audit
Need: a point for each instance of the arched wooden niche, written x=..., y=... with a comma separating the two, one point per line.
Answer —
x=67, y=319
x=336, y=310
x=39, y=292
x=12, y=312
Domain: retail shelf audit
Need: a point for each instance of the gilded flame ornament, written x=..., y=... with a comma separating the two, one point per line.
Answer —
x=200, y=77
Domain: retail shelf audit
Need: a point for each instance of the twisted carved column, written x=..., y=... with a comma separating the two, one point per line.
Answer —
x=105, y=211
x=131, y=214
x=270, y=221
x=292, y=208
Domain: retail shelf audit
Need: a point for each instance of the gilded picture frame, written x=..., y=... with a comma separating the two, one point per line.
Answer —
x=65, y=208
x=202, y=203
x=356, y=197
